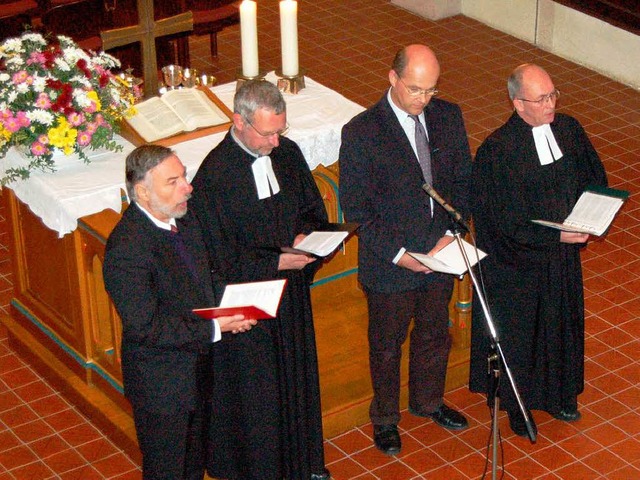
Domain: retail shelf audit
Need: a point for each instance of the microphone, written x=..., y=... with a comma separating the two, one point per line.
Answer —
x=443, y=203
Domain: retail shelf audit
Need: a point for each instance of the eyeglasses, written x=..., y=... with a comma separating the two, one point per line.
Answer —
x=418, y=92
x=555, y=95
x=281, y=132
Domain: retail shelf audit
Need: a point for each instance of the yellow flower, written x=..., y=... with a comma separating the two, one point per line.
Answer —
x=93, y=96
x=63, y=136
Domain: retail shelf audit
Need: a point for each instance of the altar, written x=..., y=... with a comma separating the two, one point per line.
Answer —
x=62, y=319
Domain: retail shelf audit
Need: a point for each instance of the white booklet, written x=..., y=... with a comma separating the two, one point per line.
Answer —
x=593, y=212
x=323, y=242
x=174, y=112
x=450, y=259
x=257, y=300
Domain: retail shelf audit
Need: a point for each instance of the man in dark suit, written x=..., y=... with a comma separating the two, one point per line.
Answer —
x=385, y=158
x=156, y=271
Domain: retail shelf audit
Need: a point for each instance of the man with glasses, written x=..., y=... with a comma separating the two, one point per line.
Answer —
x=253, y=194
x=533, y=167
x=388, y=153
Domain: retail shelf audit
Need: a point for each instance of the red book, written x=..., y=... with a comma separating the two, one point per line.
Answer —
x=257, y=300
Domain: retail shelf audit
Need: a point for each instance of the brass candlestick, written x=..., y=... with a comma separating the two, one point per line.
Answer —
x=240, y=78
x=290, y=83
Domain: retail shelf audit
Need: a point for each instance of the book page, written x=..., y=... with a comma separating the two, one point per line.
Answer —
x=155, y=120
x=264, y=295
x=594, y=212
x=318, y=243
x=194, y=108
x=258, y=300
x=450, y=259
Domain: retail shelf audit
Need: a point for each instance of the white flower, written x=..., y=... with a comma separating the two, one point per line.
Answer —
x=16, y=62
x=62, y=65
x=44, y=117
x=22, y=88
x=4, y=77
x=39, y=83
x=34, y=37
x=13, y=45
x=82, y=80
x=80, y=97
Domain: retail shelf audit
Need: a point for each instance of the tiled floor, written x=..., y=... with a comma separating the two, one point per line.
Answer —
x=348, y=46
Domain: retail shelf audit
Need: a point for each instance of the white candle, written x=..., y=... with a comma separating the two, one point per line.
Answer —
x=289, y=37
x=249, y=38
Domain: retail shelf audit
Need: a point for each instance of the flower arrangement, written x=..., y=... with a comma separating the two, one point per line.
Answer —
x=56, y=96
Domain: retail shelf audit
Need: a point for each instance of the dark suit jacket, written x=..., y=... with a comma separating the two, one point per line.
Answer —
x=381, y=188
x=154, y=292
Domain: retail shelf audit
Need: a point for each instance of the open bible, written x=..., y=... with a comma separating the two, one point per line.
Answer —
x=159, y=119
x=593, y=212
x=450, y=259
x=323, y=242
x=257, y=300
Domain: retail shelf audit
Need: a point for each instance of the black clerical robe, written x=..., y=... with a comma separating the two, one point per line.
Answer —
x=267, y=421
x=533, y=282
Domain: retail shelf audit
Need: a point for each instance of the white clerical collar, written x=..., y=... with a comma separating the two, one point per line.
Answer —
x=263, y=174
x=158, y=223
x=546, y=145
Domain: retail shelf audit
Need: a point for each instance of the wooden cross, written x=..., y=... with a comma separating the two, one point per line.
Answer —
x=146, y=33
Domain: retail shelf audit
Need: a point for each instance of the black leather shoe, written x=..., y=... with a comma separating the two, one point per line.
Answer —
x=325, y=475
x=516, y=422
x=444, y=416
x=568, y=415
x=387, y=439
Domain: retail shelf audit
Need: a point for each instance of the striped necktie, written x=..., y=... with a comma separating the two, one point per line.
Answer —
x=424, y=152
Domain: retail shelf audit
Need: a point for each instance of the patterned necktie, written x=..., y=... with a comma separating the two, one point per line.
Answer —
x=424, y=152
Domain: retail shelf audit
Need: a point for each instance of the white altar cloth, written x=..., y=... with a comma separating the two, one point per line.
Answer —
x=316, y=116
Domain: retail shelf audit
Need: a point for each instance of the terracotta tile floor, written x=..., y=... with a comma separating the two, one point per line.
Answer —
x=348, y=46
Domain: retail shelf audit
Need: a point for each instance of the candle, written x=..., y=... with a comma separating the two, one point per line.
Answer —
x=249, y=38
x=289, y=37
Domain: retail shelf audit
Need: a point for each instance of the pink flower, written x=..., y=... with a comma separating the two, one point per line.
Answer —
x=36, y=57
x=11, y=124
x=91, y=128
x=75, y=118
x=43, y=139
x=19, y=77
x=83, y=138
x=38, y=149
x=43, y=101
x=22, y=119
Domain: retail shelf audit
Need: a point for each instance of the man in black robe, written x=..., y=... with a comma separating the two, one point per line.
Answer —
x=254, y=194
x=535, y=166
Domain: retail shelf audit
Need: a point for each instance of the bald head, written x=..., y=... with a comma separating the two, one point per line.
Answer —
x=533, y=94
x=413, y=76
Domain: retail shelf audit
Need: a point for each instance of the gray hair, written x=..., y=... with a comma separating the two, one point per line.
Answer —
x=140, y=161
x=256, y=94
x=514, y=82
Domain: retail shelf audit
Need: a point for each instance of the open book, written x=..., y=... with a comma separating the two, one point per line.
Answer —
x=450, y=259
x=323, y=242
x=593, y=212
x=257, y=300
x=176, y=111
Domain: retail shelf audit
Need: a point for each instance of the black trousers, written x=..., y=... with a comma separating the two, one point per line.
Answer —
x=390, y=315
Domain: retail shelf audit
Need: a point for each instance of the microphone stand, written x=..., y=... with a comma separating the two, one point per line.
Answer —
x=496, y=359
